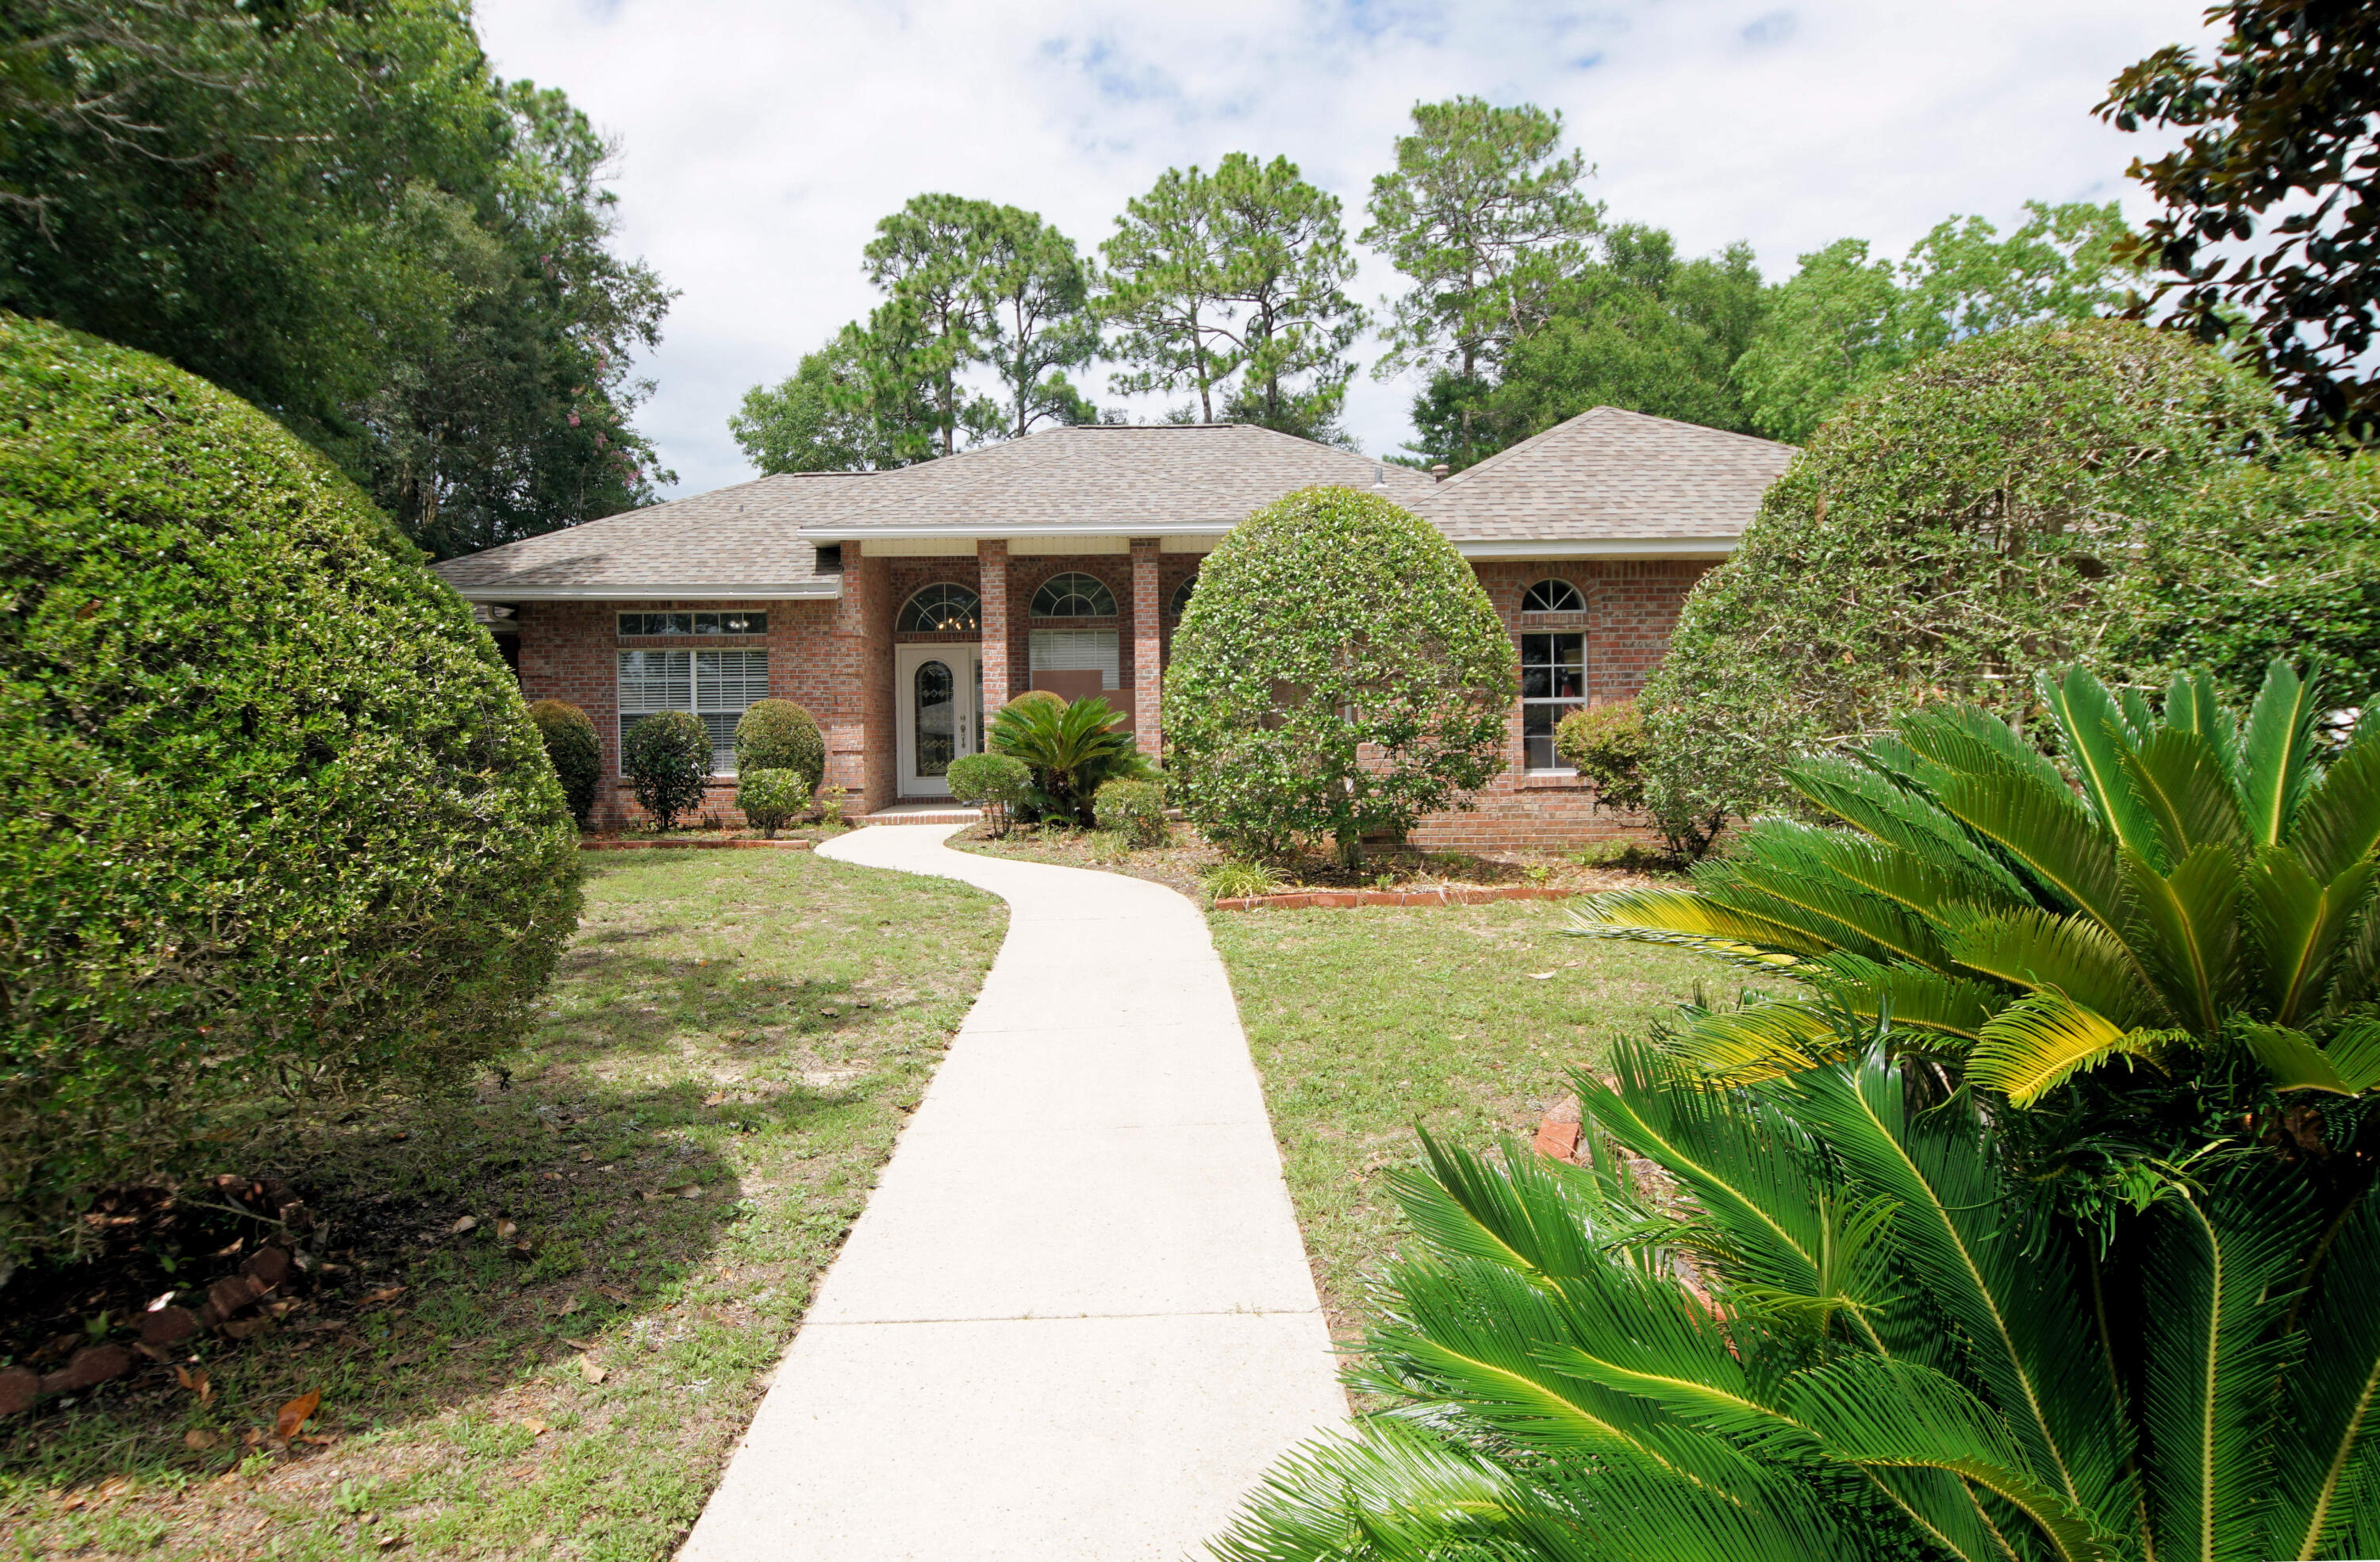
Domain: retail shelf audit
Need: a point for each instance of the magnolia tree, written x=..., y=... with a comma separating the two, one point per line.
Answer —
x=1339, y=674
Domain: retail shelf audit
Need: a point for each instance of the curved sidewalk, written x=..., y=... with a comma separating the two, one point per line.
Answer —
x=1076, y=1319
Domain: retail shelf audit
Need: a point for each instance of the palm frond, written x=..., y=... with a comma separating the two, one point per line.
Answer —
x=2349, y=1066
x=2337, y=824
x=2276, y=753
x=1386, y=1478
x=1628, y=913
x=2098, y=742
x=2181, y=782
x=1968, y=740
x=2355, y=971
x=1924, y=884
x=2047, y=835
x=1965, y=1239
x=1867, y=798
x=2216, y=1288
x=2189, y=938
x=2042, y=1040
x=1909, y=997
x=2039, y=951
x=2193, y=705
x=1824, y=905
x=2300, y=924
x=2325, y=1469
x=1538, y=1215
x=1757, y=1041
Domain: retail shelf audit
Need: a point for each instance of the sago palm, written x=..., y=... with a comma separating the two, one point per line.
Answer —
x=2186, y=894
x=1844, y=1332
x=1070, y=748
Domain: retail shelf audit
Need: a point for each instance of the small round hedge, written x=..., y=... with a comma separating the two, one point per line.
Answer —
x=1134, y=809
x=998, y=782
x=276, y=817
x=1339, y=674
x=667, y=756
x=576, y=752
x=1044, y=696
x=777, y=734
x=771, y=799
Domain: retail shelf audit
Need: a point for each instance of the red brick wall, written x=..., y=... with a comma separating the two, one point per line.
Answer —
x=570, y=650
x=1631, y=608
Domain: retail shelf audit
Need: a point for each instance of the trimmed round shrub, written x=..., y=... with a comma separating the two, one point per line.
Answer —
x=667, y=756
x=1608, y=744
x=1971, y=519
x=998, y=782
x=1339, y=674
x=575, y=751
x=1031, y=697
x=1134, y=809
x=276, y=817
x=777, y=734
x=772, y=799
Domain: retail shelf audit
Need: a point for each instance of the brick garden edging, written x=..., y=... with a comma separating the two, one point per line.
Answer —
x=1457, y=895
x=693, y=845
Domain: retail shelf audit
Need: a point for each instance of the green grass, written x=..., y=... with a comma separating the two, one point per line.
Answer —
x=1367, y=1023
x=751, y=1026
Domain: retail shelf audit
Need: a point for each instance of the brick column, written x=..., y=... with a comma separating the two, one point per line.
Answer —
x=991, y=564
x=1148, y=646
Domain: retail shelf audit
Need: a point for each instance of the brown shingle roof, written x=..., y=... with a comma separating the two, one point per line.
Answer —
x=1130, y=480
x=749, y=536
x=1608, y=474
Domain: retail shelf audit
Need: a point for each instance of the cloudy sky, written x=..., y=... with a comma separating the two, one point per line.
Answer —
x=763, y=139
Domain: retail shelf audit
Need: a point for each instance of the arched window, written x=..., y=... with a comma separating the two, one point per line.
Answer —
x=940, y=609
x=1552, y=596
x=1182, y=593
x=1073, y=596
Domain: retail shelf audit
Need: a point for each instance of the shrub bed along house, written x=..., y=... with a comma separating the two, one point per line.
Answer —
x=277, y=820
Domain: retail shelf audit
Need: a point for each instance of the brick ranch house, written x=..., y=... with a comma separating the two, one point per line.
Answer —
x=899, y=607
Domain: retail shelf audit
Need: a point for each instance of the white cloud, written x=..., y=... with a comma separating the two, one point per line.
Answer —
x=763, y=141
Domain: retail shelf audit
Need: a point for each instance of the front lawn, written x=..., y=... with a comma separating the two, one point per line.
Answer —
x=550, y=1302
x=1462, y=1019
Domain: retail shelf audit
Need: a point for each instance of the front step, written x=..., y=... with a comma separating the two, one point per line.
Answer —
x=920, y=813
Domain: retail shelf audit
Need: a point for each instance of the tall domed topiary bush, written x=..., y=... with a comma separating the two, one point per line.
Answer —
x=667, y=756
x=777, y=734
x=577, y=754
x=1974, y=517
x=276, y=819
x=1339, y=674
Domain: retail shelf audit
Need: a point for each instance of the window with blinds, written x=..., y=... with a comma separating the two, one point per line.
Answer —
x=1075, y=651
x=716, y=685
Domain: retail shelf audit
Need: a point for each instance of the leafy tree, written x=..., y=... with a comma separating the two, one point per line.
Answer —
x=1984, y=510
x=1042, y=324
x=826, y=418
x=1634, y=327
x=1339, y=674
x=1286, y=278
x=1829, y=1316
x=938, y=319
x=2279, y=121
x=1483, y=211
x=1167, y=291
x=1847, y=320
x=337, y=212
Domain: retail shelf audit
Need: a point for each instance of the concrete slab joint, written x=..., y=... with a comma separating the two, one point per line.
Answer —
x=1076, y=1320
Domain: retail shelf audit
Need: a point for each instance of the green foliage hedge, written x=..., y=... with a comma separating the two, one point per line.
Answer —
x=667, y=756
x=576, y=753
x=276, y=817
x=998, y=782
x=1339, y=674
x=1134, y=809
x=771, y=799
x=777, y=734
x=1981, y=514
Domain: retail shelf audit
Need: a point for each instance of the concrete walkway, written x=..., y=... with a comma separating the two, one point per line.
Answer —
x=1076, y=1320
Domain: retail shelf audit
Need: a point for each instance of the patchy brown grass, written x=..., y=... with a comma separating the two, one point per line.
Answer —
x=678, y=1151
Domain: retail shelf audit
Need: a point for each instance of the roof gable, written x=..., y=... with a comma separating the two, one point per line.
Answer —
x=1608, y=473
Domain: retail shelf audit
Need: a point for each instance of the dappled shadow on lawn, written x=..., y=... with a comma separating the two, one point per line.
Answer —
x=535, y=1313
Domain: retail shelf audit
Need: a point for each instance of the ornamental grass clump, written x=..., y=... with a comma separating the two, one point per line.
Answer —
x=998, y=784
x=772, y=799
x=1339, y=674
x=277, y=822
x=667, y=756
x=777, y=734
x=574, y=752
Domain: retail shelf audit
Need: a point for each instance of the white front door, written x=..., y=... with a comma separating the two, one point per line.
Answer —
x=938, y=706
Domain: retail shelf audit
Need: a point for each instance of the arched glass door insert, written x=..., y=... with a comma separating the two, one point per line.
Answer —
x=934, y=713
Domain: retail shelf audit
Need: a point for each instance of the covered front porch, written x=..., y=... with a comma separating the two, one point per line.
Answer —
x=946, y=630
